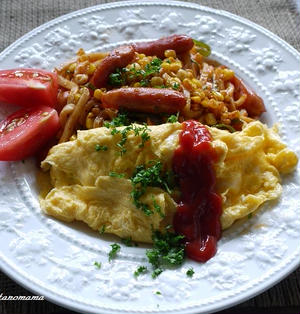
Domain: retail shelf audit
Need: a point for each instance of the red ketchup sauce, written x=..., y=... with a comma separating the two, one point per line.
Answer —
x=200, y=207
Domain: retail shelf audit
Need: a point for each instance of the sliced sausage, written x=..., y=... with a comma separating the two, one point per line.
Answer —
x=118, y=58
x=143, y=99
x=179, y=43
x=253, y=104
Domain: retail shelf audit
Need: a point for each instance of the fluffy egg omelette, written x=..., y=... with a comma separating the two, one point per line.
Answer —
x=77, y=184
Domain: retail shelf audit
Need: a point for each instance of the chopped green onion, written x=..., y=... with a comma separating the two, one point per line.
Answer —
x=202, y=48
x=90, y=86
x=225, y=127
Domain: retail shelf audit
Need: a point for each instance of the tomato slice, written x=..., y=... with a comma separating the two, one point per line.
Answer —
x=26, y=131
x=28, y=87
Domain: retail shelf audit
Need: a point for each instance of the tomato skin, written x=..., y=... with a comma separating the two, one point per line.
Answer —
x=24, y=140
x=28, y=87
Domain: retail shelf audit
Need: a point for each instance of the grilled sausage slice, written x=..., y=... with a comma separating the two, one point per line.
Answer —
x=253, y=104
x=179, y=43
x=150, y=100
x=118, y=58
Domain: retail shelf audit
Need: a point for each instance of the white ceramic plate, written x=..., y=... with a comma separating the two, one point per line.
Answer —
x=56, y=259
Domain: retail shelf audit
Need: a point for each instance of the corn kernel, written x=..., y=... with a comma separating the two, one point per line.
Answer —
x=197, y=83
x=165, y=66
x=176, y=80
x=196, y=99
x=98, y=93
x=175, y=66
x=156, y=81
x=205, y=102
x=181, y=74
x=187, y=84
x=170, y=53
x=146, y=59
x=228, y=74
x=72, y=67
x=210, y=119
x=189, y=74
x=134, y=66
x=199, y=93
x=210, y=103
x=91, y=69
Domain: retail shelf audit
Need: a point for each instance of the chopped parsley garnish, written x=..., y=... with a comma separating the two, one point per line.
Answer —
x=100, y=147
x=115, y=248
x=190, y=272
x=144, y=177
x=157, y=208
x=173, y=118
x=119, y=77
x=176, y=86
x=98, y=265
x=133, y=73
x=156, y=272
x=120, y=120
x=153, y=67
x=141, y=131
x=102, y=229
x=158, y=292
x=168, y=250
x=140, y=270
x=136, y=194
x=116, y=175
